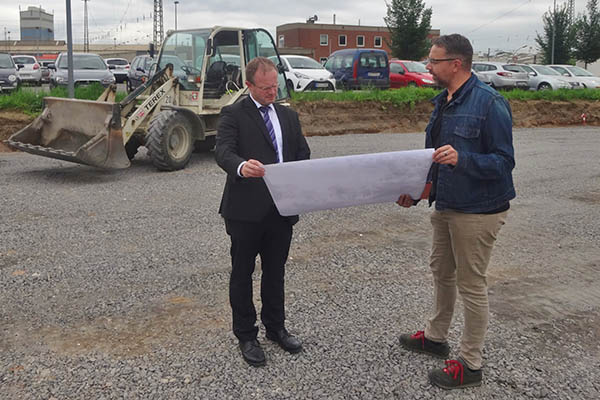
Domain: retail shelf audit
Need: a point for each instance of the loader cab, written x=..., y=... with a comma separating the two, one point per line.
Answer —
x=210, y=63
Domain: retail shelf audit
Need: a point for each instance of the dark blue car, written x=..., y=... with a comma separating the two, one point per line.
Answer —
x=359, y=68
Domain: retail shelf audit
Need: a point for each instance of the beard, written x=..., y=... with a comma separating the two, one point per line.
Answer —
x=440, y=82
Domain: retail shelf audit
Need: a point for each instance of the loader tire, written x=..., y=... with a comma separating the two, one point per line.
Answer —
x=170, y=141
x=132, y=146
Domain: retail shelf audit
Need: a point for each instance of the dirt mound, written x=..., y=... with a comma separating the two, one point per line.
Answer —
x=11, y=122
x=528, y=114
x=322, y=118
x=335, y=118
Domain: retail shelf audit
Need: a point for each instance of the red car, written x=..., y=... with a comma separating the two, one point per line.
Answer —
x=409, y=73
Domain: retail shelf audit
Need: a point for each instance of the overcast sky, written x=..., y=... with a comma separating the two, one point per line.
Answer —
x=504, y=25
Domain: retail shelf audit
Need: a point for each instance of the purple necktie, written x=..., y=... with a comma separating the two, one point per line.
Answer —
x=265, y=114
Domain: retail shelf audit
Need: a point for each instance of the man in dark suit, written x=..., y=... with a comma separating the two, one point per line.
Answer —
x=251, y=133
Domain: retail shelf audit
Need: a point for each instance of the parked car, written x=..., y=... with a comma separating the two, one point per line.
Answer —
x=585, y=78
x=87, y=69
x=482, y=77
x=304, y=73
x=45, y=70
x=409, y=73
x=120, y=70
x=9, y=77
x=359, y=68
x=542, y=77
x=31, y=71
x=139, y=71
x=503, y=75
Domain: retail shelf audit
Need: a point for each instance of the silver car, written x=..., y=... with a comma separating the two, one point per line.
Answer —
x=542, y=77
x=120, y=68
x=483, y=78
x=88, y=68
x=9, y=79
x=585, y=78
x=503, y=75
x=31, y=70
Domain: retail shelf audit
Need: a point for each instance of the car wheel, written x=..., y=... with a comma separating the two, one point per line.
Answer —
x=544, y=86
x=290, y=85
x=412, y=84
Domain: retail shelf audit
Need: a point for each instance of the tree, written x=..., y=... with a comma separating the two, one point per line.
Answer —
x=409, y=23
x=563, y=36
x=587, y=35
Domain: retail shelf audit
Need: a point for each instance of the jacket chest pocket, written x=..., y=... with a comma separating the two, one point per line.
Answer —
x=466, y=128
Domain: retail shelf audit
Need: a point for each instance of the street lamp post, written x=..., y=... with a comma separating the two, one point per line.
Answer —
x=176, y=2
x=553, y=33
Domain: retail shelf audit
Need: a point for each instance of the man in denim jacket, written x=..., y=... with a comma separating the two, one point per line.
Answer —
x=471, y=185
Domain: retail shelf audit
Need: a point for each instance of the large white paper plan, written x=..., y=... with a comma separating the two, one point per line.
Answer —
x=326, y=183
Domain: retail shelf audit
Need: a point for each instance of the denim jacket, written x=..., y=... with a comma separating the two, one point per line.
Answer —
x=478, y=124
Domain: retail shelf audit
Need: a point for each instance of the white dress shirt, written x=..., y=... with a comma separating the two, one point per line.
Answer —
x=276, y=128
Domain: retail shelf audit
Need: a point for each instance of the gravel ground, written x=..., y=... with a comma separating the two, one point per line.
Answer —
x=114, y=285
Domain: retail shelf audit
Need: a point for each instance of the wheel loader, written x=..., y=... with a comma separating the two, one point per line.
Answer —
x=172, y=114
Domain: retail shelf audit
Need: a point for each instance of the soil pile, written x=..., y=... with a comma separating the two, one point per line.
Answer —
x=11, y=122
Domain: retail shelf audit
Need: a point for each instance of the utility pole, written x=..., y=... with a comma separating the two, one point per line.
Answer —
x=158, y=31
x=70, y=83
x=176, y=2
x=553, y=33
x=86, y=33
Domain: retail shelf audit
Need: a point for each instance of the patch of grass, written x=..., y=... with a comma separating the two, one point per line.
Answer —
x=32, y=102
x=408, y=95
x=411, y=95
x=553, y=95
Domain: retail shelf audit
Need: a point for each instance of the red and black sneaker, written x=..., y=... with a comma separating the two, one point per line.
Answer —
x=456, y=375
x=419, y=343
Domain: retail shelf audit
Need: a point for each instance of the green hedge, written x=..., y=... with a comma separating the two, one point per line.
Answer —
x=31, y=102
x=411, y=96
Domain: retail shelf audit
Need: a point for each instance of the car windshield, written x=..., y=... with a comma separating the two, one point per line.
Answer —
x=413, y=66
x=304, y=63
x=147, y=63
x=561, y=70
x=5, y=61
x=83, y=61
x=577, y=71
x=543, y=70
x=24, y=60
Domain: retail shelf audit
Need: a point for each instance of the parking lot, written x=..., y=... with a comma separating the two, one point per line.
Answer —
x=113, y=284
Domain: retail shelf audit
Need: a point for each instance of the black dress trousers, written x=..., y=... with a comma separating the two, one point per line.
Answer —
x=269, y=238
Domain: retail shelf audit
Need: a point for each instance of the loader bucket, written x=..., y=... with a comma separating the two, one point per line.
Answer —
x=81, y=131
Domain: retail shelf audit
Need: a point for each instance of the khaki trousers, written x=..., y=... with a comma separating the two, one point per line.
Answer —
x=462, y=245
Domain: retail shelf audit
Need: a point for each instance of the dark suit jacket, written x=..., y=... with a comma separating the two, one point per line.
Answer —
x=242, y=135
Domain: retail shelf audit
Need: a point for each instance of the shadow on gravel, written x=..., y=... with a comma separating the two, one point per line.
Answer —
x=75, y=174
x=83, y=174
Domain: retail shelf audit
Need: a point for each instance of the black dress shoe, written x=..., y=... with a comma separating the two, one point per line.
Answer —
x=253, y=353
x=287, y=342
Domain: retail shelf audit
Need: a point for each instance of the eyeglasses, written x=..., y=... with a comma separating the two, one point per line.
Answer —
x=439, y=60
